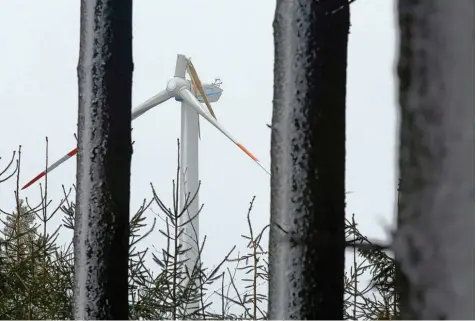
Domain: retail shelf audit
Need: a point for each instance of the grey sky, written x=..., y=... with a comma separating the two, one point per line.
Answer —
x=39, y=55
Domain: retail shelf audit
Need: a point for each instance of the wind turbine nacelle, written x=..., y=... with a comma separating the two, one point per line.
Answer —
x=212, y=91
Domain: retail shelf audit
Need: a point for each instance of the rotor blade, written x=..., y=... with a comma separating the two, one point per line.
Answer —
x=198, y=83
x=181, y=66
x=199, y=135
x=138, y=111
x=195, y=104
x=194, y=89
x=52, y=167
x=150, y=103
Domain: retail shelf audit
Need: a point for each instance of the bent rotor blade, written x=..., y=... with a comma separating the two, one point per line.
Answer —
x=195, y=104
x=150, y=103
x=194, y=88
x=198, y=83
x=51, y=167
x=199, y=134
x=137, y=112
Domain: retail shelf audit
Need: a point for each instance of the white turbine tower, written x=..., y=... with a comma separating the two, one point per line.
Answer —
x=190, y=93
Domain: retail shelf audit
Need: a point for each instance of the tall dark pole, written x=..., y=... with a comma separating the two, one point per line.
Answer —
x=101, y=235
x=307, y=240
x=434, y=244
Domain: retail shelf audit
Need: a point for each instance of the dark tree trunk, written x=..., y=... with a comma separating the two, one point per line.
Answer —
x=101, y=235
x=434, y=244
x=307, y=239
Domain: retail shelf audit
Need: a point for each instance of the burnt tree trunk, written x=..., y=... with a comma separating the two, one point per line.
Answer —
x=307, y=239
x=434, y=244
x=101, y=234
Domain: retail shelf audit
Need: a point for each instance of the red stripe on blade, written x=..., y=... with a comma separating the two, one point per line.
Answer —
x=253, y=157
x=73, y=152
x=34, y=180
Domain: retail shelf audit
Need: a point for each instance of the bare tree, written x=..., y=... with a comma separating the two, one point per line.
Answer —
x=307, y=239
x=434, y=244
x=101, y=234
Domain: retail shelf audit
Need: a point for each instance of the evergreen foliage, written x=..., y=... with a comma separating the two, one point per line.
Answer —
x=36, y=271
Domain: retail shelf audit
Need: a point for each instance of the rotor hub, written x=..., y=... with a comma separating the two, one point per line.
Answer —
x=176, y=84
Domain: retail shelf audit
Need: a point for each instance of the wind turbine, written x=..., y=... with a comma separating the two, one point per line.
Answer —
x=190, y=93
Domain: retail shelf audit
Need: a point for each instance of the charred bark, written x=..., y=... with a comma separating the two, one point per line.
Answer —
x=434, y=244
x=101, y=235
x=307, y=239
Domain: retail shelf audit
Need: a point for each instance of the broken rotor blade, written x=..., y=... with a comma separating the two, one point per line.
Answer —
x=161, y=97
x=194, y=88
x=137, y=112
x=199, y=135
x=195, y=104
x=51, y=167
x=198, y=84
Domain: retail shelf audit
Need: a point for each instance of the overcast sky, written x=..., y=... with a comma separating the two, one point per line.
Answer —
x=38, y=98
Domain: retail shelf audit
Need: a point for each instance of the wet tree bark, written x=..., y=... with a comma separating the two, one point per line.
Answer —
x=307, y=239
x=101, y=235
x=434, y=244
